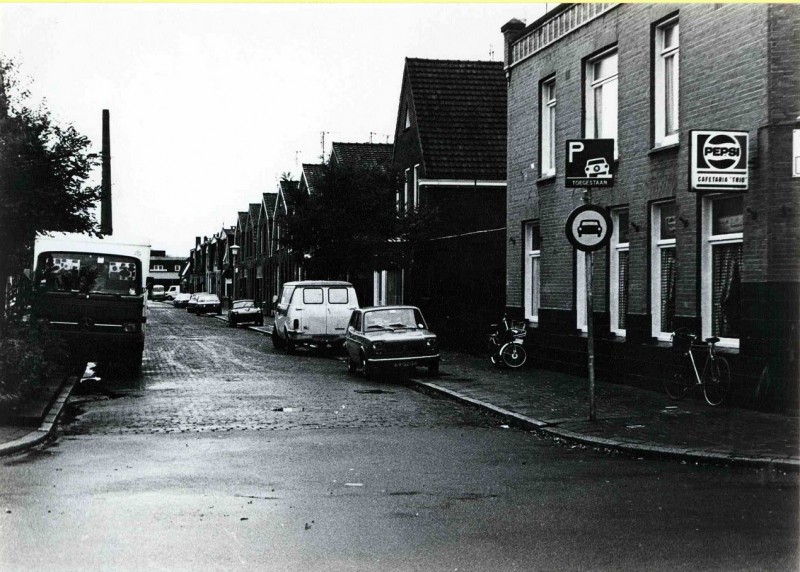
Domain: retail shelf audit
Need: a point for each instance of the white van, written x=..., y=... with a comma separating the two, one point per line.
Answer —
x=172, y=292
x=314, y=312
x=157, y=293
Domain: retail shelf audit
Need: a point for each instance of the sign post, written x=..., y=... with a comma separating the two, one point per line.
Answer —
x=589, y=227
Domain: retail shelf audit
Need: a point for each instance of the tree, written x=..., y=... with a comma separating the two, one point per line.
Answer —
x=350, y=221
x=44, y=169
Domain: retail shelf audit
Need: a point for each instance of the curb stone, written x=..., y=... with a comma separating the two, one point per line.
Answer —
x=48, y=426
x=657, y=451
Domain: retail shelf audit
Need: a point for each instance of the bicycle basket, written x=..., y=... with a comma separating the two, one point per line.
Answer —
x=682, y=341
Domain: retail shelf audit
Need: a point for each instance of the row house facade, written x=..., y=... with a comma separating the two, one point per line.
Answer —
x=450, y=155
x=165, y=270
x=721, y=264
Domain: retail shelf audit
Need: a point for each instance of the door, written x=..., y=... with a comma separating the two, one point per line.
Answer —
x=311, y=310
x=341, y=304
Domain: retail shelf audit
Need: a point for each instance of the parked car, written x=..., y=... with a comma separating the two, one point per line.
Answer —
x=181, y=300
x=245, y=312
x=313, y=312
x=157, y=292
x=390, y=337
x=208, y=304
x=191, y=305
x=172, y=292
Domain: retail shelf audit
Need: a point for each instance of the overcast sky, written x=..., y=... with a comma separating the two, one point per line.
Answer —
x=210, y=103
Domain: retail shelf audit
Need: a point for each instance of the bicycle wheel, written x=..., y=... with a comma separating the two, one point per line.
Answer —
x=513, y=355
x=677, y=382
x=716, y=380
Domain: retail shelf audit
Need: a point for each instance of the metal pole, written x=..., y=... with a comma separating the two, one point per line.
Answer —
x=590, y=324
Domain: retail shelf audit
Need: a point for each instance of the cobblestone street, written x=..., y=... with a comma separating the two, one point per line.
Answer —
x=200, y=375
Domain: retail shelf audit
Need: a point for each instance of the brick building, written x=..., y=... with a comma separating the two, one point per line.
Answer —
x=164, y=270
x=721, y=264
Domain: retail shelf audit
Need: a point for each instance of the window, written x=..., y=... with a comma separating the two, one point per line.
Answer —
x=313, y=296
x=723, y=231
x=158, y=267
x=532, y=271
x=177, y=268
x=663, y=264
x=548, y=127
x=580, y=291
x=666, y=70
x=619, y=275
x=601, y=98
x=407, y=191
x=337, y=295
x=388, y=287
x=408, y=119
x=416, y=186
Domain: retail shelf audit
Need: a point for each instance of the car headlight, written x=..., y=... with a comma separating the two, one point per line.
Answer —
x=128, y=327
x=431, y=342
x=378, y=347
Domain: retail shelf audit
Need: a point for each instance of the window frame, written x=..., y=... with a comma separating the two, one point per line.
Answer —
x=591, y=85
x=547, y=127
x=657, y=246
x=709, y=241
x=406, y=189
x=660, y=56
x=533, y=257
x=615, y=248
x=416, y=186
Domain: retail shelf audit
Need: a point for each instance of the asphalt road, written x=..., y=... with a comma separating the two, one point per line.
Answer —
x=229, y=455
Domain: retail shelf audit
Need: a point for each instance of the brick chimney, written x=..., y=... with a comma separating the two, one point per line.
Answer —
x=512, y=30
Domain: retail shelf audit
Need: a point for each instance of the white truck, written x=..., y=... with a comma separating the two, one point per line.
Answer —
x=92, y=292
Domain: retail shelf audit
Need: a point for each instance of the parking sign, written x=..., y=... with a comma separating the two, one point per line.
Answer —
x=590, y=163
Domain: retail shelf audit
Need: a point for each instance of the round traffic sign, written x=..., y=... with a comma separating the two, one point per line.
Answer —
x=589, y=227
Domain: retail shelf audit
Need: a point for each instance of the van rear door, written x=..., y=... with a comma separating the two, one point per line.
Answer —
x=341, y=303
x=313, y=316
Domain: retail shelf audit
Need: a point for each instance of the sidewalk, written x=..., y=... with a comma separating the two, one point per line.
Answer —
x=644, y=423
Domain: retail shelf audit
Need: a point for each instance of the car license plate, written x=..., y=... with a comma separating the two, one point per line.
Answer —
x=405, y=364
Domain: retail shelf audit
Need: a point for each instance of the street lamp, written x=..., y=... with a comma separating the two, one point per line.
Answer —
x=234, y=252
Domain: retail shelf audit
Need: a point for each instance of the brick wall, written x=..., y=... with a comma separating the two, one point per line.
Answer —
x=739, y=70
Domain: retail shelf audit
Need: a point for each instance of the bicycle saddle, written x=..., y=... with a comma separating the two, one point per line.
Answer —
x=713, y=340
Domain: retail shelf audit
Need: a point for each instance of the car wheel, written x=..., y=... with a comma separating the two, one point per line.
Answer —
x=366, y=367
x=433, y=369
x=289, y=345
x=277, y=342
x=351, y=365
x=260, y=322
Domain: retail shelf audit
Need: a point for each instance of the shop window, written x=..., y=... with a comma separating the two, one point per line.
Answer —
x=723, y=233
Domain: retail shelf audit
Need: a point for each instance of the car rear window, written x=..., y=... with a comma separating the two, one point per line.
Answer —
x=337, y=295
x=312, y=296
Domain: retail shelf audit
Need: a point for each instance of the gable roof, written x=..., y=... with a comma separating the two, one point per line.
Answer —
x=242, y=221
x=362, y=155
x=312, y=174
x=288, y=194
x=460, y=112
x=268, y=201
x=253, y=211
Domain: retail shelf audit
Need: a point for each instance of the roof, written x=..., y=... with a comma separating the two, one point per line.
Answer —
x=289, y=194
x=362, y=155
x=318, y=283
x=313, y=173
x=460, y=110
x=255, y=208
x=242, y=218
x=269, y=200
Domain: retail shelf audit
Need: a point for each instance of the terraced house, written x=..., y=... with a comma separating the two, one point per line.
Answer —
x=721, y=264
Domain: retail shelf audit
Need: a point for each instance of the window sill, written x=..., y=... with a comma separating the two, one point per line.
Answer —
x=664, y=148
x=546, y=179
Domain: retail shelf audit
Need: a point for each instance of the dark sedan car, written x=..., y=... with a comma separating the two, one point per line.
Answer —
x=181, y=300
x=208, y=304
x=191, y=305
x=390, y=337
x=245, y=312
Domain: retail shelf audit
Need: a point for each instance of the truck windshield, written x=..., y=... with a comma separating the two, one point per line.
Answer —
x=88, y=273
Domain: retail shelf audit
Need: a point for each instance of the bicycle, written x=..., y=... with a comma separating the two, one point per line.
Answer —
x=505, y=344
x=716, y=374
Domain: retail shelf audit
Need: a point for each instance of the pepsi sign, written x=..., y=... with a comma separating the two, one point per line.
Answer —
x=718, y=160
